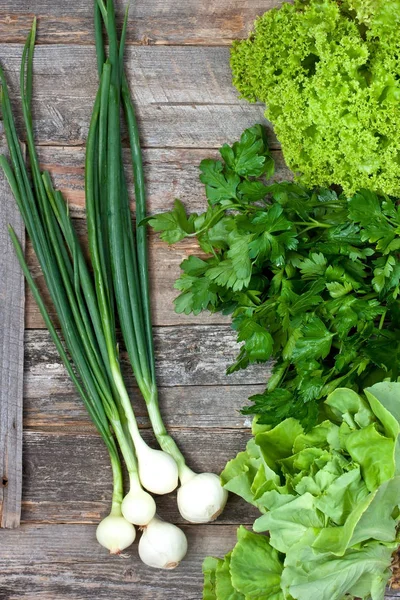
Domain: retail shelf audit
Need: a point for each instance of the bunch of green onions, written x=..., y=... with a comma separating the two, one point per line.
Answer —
x=87, y=302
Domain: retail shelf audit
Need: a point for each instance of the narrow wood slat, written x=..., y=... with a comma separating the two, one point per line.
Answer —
x=185, y=356
x=212, y=22
x=56, y=405
x=79, y=491
x=184, y=96
x=170, y=173
x=12, y=303
x=65, y=562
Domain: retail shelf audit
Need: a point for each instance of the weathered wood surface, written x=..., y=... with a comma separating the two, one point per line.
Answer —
x=184, y=96
x=65, y=561
x=185, y=356
x=170, y=173
x=210, y=22
x=12, y=302
x=79, y=490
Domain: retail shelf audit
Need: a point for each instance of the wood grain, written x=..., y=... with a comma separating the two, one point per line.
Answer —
x=53, y=562
x=79, y=491
x=12, y=303
x=184, y=96
x=212, y=22
x=55, y=405
x=57, y=562
x=185, y=356
x=170, y=173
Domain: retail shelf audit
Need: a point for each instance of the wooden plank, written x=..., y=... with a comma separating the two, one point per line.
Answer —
x=79, y=491
x=184, y=96
x=212, y=22
x=49, y=404
x=64, y=562
x=170, y=173
x=185, y=356
x=12, y=302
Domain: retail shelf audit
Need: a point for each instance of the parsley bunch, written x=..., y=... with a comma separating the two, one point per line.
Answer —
x=310, y=277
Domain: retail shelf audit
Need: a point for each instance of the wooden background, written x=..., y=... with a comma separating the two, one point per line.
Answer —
x=178, y=65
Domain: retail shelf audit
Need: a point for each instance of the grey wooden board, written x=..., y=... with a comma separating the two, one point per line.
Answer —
x=184, y=96
x=211, y=22
x=12, y=302
x=65, y=561
x=170, y=173
x=185, y=355
x=83, y=487
x=54, y=562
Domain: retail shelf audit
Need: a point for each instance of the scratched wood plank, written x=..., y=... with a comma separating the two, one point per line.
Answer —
x=164, y=270
x=79, y=491
x=65, y=562
x=210, y=22
x=170, y=173
x=51, y=404
x=11, y=359
x=185, y=356
x=184, y=96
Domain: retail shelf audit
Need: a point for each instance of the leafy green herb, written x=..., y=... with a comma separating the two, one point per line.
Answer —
x=311, y=278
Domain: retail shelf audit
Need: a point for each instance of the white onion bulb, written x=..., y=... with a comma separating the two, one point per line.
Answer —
x=162, y=545
x=115, y=533
x=201, y=498
x=158, y=471
x=138, y=507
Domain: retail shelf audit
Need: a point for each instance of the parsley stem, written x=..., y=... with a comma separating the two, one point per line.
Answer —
x=220, y=212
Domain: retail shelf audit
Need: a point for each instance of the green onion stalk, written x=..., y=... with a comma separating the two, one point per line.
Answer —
x=201, y=497
x=66, y=274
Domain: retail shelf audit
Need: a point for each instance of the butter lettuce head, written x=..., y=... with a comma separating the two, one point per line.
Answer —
x=329, y=501
x=329, y=74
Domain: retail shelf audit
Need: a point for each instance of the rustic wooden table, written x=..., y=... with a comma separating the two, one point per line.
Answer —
x=178, y=65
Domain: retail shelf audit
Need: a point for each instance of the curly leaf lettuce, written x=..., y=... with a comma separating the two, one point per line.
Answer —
x=328, y=72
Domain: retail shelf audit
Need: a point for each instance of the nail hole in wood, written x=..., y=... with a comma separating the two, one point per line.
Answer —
x=5, y=482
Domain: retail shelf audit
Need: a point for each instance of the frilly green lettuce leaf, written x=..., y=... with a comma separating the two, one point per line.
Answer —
x=223, y=582
x=256, y=567
x=349, y=407
x=288, y=524
x=375, y=454
x=209, y=570
x=308, y=574
x=277, y=443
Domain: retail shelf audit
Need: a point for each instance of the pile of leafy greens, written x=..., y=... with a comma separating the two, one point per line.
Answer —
x=329, y=74
x=312, y=278
x=329, y=499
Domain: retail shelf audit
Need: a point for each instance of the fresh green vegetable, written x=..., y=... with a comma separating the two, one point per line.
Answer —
x=86, y=305
x=329, y=76
x=200, y=498
x=49, y=227
x=311, y=278
x=329, y=499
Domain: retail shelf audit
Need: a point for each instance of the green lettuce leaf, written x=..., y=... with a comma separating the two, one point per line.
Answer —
x=256, y=567
x=209, y=572
x=312, y=575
